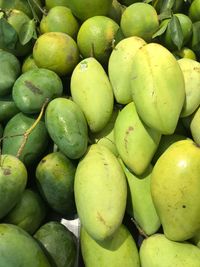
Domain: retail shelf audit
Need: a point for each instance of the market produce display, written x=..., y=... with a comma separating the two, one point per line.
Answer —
x=100, y=123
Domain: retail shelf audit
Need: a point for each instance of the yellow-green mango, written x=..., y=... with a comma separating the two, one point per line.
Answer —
x=118, y=251
x=158, y=251
x=139, y=200
x=136, y=142
x=100, y=192
x=175, y=184
x=158, y=88
x=195, y=126
x=106, y=136
x=191, y=70
x=120, y=66
x=92, y=91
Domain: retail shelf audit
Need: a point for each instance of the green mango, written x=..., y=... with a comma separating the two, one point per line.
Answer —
x=118, y=251
x=55, y=179
x=190, y=69
x=120, y=66
x=28, y=213
x=18, y=248
x=67, y=127
x=175, y=183
x=13, y=180
x=195, y=126
x=194, y=10
x=28, y=63
x=158, y=88
x=99, y=202
x=8, y=108
x=92, y=91
x=135, y=142
x=158, y=251
x=106, y=136
x=34, y=87
x=9, y=71
x=139, y=200
x=52, y=3
x=59, y=242
x=165, y=142
x=37, y=141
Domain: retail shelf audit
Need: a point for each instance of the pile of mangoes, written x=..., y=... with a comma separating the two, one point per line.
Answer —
x=100, y=121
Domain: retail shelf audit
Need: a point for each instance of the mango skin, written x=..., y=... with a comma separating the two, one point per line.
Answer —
x=13, y=180
x=67, y=127
x=175, y=183
x=158, y=88
x=135, y=142
x=100, y=192
x=118, y=251
x=195, y=126
x=120, y=66
x=36, y=144
x=8, y=108
x=157, y=250
x=191, y=70
x=18, y=248
x=92, y=91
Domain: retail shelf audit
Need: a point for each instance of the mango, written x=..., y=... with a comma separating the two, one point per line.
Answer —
x=13, y=180
x=139, y=200
x=55, y=180
x=135, y=142
x=195, y=126
x=157, y=250
x=23, y=251
x=92, y=92
x=9, y=71
x=120, y=66
x=190, y=69
x=8, y=108
x=37, y=141
x=34, y=87
x=67, y=127
x=175, y=183
x=118, y=251
x=100, y=192
x=158, y=88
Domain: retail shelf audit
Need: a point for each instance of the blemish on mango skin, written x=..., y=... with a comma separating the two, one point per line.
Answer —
x=101, y=219
x=33, y=88
x=130, y=129
x=6, y=171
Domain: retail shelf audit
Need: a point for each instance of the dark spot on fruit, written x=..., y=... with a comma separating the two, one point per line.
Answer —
x=183, y=206
x=43, y=160
x=6, y=171
x=33, y=88
x=197, y=145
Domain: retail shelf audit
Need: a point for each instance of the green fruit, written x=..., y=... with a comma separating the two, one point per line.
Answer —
x=52, y=3
x=28, y=64
x=139, y=201
x=135, y=142
x=195, y=126
x=175, y=183
x=28, y=213
x=194, y=11
x=8, y=108
x=34, y=87
x=185, y=52
x=55, y=179
x=157, y=250
x=36, y=143
x=120, y=66
x=18, y=248
x=158, y=88
x=67, y=127
x=92, y=92
x=190, y=69
x=100, y=203
x=13, y=179
x=118, y=251
x=139, y=19
x=9, y=71
x=59, y=243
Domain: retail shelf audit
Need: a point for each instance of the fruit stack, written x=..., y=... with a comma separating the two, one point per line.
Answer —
x=100, y=123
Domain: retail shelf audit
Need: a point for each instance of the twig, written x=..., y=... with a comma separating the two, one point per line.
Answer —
x=141, y=231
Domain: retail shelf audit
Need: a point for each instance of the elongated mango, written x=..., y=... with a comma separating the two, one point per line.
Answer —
x=92, y=91
x=135, y=142
x=158, y=88
x=100, y=192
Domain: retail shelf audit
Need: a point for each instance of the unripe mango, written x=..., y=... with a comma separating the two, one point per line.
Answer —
x=92, y=91
x=100, y=192
x=158, y=88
